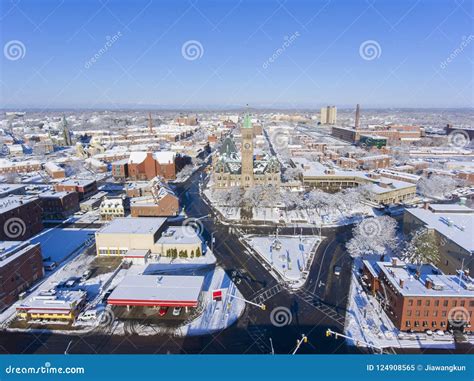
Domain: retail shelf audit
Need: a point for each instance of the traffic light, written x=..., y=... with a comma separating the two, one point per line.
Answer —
x=328, y=333
x=263, y=307
x=305, y=339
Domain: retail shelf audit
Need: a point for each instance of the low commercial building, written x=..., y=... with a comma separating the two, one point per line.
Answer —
x=93, y=202
x=53, y=305
x=422, y=298
x=124, y=234
x=179, y=241
x=382, y=190
x=158, y=291
x=451, y=224
x=21, y=264
x=84, y=187
x=20, y=217
x=59, y=205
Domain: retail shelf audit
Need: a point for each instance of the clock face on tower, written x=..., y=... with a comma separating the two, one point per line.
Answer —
x=247, y=145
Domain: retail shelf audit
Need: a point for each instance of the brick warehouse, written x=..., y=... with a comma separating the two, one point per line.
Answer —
x=21, y=264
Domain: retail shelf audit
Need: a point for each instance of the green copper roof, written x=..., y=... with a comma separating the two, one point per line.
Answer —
x=247, y=121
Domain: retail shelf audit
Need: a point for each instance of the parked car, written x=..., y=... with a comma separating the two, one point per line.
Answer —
x=337, y=270
x=163, y=311
x=88, y=315
x=86, y=275
x=176, y=311
x=49, y=266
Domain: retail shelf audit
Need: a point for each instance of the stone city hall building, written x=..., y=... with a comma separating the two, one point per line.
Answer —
x=245, y=171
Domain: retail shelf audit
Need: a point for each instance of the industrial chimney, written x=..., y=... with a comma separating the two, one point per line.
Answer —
x=357, y=118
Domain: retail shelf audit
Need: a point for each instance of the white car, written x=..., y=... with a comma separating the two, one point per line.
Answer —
x=176, y=311
x=88, y=315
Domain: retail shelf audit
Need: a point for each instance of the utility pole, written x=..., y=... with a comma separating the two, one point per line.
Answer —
x=271, y=345
x=304, y=339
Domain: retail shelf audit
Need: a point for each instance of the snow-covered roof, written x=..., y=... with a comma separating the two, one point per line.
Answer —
x=162, y=157
x=403, y=278
x=163, y=290
x=453, y=224
x=60, y=301
x=11, y=250
x=179, y=235
x=133, y=225
x=12, y=202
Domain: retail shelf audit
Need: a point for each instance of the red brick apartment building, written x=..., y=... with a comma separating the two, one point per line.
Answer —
x=21, y=264
x=148, y=165
x=20, y=217
x=84, y=187
x=421, y=299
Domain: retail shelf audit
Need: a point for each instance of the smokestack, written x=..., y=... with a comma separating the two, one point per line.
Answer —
x=357, y=119
x=428, y=284
x=401, y=283
x=150, y=123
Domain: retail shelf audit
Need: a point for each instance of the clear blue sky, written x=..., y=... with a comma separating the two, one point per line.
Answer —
x=322, y=63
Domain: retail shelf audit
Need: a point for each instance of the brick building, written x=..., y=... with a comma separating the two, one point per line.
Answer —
x=20, y=217
x=59, y=205
x=84, y=187
x=422, y=298
x=21, y=264
x=148, y=165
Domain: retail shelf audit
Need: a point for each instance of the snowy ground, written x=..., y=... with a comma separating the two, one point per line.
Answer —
x=366, y=323
x=289, y=256
x=300, y=217
x=59, y=243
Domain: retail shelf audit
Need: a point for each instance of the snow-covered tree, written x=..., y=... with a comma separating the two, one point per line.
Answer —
x=291, y=174
x=436, y=186
x=373, y=236
x=421, y=248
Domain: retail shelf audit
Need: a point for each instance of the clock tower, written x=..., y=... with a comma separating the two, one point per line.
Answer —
x=247, y=153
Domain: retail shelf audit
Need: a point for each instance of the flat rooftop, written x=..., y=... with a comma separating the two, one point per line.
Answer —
x=451, y=222
x=11, y=250
x=61, y=301
x=442, y=285
x=133, y=225
x=179, y=234
x=12, y=201
x=158, y=290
